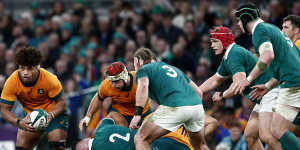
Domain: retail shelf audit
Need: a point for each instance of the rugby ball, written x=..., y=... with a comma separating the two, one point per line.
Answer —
x=38, y=118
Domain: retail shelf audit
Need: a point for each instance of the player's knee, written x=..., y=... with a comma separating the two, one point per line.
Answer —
x=265, y=136
x=276, y=132
x=211, y=122
x=250, y=138
x=140, y=138
x=61, y=145
x=21, y=148
x=251, y=135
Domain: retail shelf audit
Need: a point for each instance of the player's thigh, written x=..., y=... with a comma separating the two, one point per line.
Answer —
x=196, y=138
x=169, y=118
x=288, y=104
x=286, y=115
x=118, y=118
x=265, y=121
x=252, y=128
x=57, y=128
x=149, y=131
x=265, y=114
x=57, y=135
x=27, y=139
x=210, y=124
x=195, y=118
x=268, y=101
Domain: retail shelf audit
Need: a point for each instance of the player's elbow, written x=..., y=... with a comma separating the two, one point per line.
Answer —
x=270, y=56
x=4, y=110
x=64, y=104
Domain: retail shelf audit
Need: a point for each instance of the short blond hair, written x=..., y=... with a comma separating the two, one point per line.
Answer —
x=145, y=54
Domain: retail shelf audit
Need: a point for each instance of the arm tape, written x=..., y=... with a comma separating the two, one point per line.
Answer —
x=139, y=110
x=261, y=66
x=266, y=46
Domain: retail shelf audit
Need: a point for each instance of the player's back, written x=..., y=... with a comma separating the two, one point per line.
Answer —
x=109, y=136
x=287, y=57
x=168, y=85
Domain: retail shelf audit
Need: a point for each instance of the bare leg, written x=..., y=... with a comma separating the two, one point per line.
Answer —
x=26, y=139
x=210, y=125
x=57, y=139
x=251, y=133
x=196, y=139
x=265, y=120
x=147, y=134
x=118, y=118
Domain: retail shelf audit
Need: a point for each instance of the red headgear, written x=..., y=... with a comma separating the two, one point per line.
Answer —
x=117, y=71
x=224, y=34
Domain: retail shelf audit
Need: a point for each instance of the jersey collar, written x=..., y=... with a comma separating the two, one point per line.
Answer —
x=29, y=84
x=227, y=50
x=256, y=23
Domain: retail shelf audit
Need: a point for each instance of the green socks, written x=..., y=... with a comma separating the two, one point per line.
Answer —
x=289, y=141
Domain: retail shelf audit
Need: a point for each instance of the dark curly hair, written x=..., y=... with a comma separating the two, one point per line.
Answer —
x=28, y=56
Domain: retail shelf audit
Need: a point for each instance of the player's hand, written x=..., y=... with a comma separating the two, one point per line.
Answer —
x=84, y=122
x=259, y=91
x=26, y=124
x=217, y=97
x=50, y=117
x=239, y=86
x=134, y=122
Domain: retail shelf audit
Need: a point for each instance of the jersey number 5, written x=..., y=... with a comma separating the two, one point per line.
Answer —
x=170, y=71
x=125, y=138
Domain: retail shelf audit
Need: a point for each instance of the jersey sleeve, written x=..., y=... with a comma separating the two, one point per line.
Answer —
x=102, y=90
x=260, y=36
x=188, y=80
x=142, y=72
x=55, y=90
x=221, y=72
x=236, y=64
x=9, y=93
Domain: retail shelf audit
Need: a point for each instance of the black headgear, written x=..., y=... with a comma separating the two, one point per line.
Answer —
x=247, y=13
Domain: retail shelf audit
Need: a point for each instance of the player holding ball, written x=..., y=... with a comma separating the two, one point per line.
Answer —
x=35, y=88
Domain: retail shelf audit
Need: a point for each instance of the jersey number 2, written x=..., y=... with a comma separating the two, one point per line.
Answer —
x=125, y=138
x=170, y=71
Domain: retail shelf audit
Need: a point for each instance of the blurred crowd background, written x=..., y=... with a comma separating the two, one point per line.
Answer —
x=79, y=38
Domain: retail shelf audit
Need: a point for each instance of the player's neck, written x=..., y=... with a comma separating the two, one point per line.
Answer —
x=251, y=25
x=34, y=78
x=295, y=37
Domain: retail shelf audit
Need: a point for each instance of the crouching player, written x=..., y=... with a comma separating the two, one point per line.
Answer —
x=111, y=136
